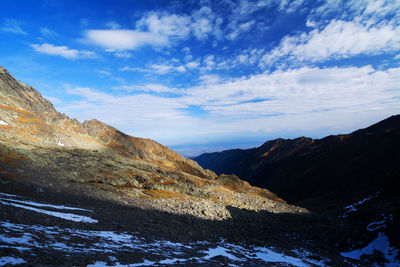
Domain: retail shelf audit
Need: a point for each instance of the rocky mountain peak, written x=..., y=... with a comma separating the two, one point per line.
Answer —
x=21, y=96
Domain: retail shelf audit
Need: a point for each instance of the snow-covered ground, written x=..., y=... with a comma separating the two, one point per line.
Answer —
x=25, y=238
x=10, y=260
x=106, y=247
x=13, y=200
x=380, y=243
x=354, y=207
x=3, y=122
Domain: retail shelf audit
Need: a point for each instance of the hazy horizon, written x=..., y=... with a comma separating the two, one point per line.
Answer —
x=196, y=149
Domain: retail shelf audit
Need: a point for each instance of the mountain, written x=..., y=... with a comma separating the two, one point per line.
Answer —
x=42, y=147
x=322, y=173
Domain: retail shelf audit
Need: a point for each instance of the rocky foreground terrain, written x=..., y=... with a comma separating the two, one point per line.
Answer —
x=87, y=194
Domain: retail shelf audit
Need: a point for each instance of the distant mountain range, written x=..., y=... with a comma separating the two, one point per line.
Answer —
x=319, y=173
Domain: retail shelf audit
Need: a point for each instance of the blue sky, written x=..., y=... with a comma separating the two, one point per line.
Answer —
x=209, y=75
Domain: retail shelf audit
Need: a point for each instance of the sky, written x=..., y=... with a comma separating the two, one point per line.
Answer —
x=203, y=76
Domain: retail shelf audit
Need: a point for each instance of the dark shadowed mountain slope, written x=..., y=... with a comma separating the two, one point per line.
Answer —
x=323, y=173
x=243, y=162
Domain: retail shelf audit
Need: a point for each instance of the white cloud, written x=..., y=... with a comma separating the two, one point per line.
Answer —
x=366, y=12
x=217, y=31
x=209, y=61
x=247, y=25
x=243, y=59
x=126, y=68
x=163, y=29
x=161, y=69
x=304, y=98
x=209, y=79
x=244, y=9
x=13, y=26
x=192, y=64
x=113, y=25
x=104, y=72
x=123, y=54
x=303, y=90
x=138, y=114
x=47, y=32
x=164, y=69
x=310, y=23
x=200, y=23
x=110, y=76
x=201, y=28
x=290, y=6
x=181, y=69
x=339, y=39
x=157, y=88
x=63, y=51
x=124, y=39
x=165, y=24
x=241, y=19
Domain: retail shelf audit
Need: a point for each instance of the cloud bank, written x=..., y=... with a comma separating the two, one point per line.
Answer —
x=276, y=101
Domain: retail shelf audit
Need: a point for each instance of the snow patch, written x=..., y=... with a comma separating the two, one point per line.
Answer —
x=376, y=225
x=62, y=215
x=11, y=260
x=354, y=207
x=24, y=239
x=97, y=264
x=268, y=255
x=3, y=122
x=36, y=204
x=381, y=243
x=20, y=249
x=220, y=251
x=144, y=263
x=7, y=195
x=59, y=142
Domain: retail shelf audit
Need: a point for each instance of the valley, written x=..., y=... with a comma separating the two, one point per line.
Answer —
x=86, y=194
